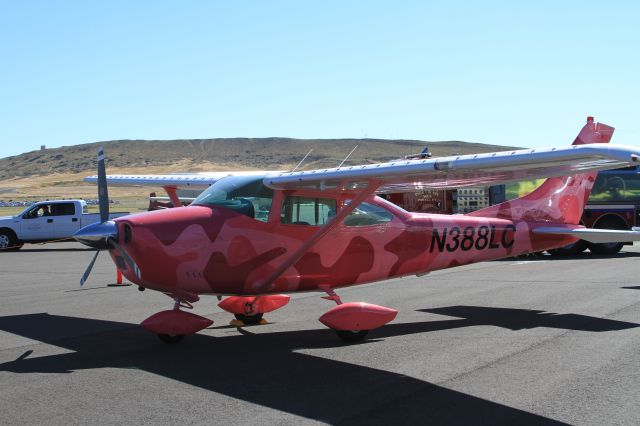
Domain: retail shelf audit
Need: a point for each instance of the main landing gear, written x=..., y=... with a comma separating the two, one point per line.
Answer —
x=352, y=321
x=171, y=339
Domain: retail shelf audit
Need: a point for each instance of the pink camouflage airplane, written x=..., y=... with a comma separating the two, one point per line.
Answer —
x=251, y=237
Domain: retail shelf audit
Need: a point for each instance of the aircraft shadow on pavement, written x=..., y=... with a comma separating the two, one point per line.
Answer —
x=263, y=369
x=520, y=319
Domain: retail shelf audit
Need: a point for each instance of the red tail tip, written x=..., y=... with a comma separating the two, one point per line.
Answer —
x=590, y=119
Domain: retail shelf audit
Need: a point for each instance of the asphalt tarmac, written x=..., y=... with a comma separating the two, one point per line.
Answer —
x=508, y=342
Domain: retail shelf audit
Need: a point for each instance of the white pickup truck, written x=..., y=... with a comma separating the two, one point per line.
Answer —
x=46, y=221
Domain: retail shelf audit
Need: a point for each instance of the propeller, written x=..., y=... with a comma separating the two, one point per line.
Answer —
x=88, y=270
x=104, y=234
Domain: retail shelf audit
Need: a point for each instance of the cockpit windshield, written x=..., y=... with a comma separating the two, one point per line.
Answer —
x=246, y=195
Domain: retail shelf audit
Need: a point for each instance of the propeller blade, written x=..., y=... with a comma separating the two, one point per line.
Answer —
x=88, y=270
x=132, y=264
x=103, y=194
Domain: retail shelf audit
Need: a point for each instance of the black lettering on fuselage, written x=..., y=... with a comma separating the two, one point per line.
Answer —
x=493, y=243
x=506, y=242
x=454, y=241
x=483, y=238
x=480, y=238
x=438, y=239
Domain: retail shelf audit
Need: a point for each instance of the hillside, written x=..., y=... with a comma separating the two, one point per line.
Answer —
x=58, y=172
x=236, y=153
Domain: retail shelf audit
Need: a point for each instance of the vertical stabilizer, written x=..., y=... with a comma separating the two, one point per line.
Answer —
x=559, y=199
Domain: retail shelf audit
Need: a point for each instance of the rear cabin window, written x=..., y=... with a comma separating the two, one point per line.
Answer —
x=367, y=214
x=63, y=209
x=307, y=210
x=246, y=195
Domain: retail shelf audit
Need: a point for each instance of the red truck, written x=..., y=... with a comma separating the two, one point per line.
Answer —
x=614, y=204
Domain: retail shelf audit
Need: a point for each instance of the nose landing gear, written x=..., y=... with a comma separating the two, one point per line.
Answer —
x=249, y=310
x=172, y=325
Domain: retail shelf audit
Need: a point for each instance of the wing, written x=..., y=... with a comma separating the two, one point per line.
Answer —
x=463, y=170
x=180, y=181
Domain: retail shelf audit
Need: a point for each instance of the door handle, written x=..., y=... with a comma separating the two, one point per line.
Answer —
x=49, y=220
x=75, y=219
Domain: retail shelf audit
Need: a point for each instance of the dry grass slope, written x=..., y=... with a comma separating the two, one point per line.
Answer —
x=58, y=172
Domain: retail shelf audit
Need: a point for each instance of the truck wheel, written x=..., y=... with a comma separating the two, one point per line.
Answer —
x=8, y=240
x=569, y=250
x=608, y=248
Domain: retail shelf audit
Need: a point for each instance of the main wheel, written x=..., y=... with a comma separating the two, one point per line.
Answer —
x=249, y=319
x=8, y=241
x=608, y=248
x=352, y=335
x=171, y=338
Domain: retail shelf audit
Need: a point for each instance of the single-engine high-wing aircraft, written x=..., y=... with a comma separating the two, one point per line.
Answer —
x=252, y=237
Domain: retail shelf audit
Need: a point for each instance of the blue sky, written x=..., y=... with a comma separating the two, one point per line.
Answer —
x=505, y=73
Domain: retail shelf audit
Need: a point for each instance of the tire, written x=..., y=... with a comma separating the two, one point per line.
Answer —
x=608, y=248
x=249, y=319
x=352, y=335
x=171, y=339
x=8, y=240
x=570, y=249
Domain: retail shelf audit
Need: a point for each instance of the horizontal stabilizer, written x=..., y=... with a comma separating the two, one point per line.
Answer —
x=593, y=235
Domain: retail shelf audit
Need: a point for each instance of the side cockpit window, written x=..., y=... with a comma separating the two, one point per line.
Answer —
x=366, y=215
x=246, y=195
x=307, y=210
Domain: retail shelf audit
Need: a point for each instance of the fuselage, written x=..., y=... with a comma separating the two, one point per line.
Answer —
x=214, y=249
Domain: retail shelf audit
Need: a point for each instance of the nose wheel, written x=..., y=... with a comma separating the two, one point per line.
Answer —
x=249, y=319
x=249, y=310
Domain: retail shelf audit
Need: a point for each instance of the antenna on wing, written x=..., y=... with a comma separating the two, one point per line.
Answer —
x=348, y=155
x=301, y=161
x=425, y=153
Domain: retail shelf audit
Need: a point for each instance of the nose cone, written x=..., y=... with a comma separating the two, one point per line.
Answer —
x=96, y=234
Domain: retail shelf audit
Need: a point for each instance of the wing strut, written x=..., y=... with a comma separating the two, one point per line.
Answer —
x=321, y=233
